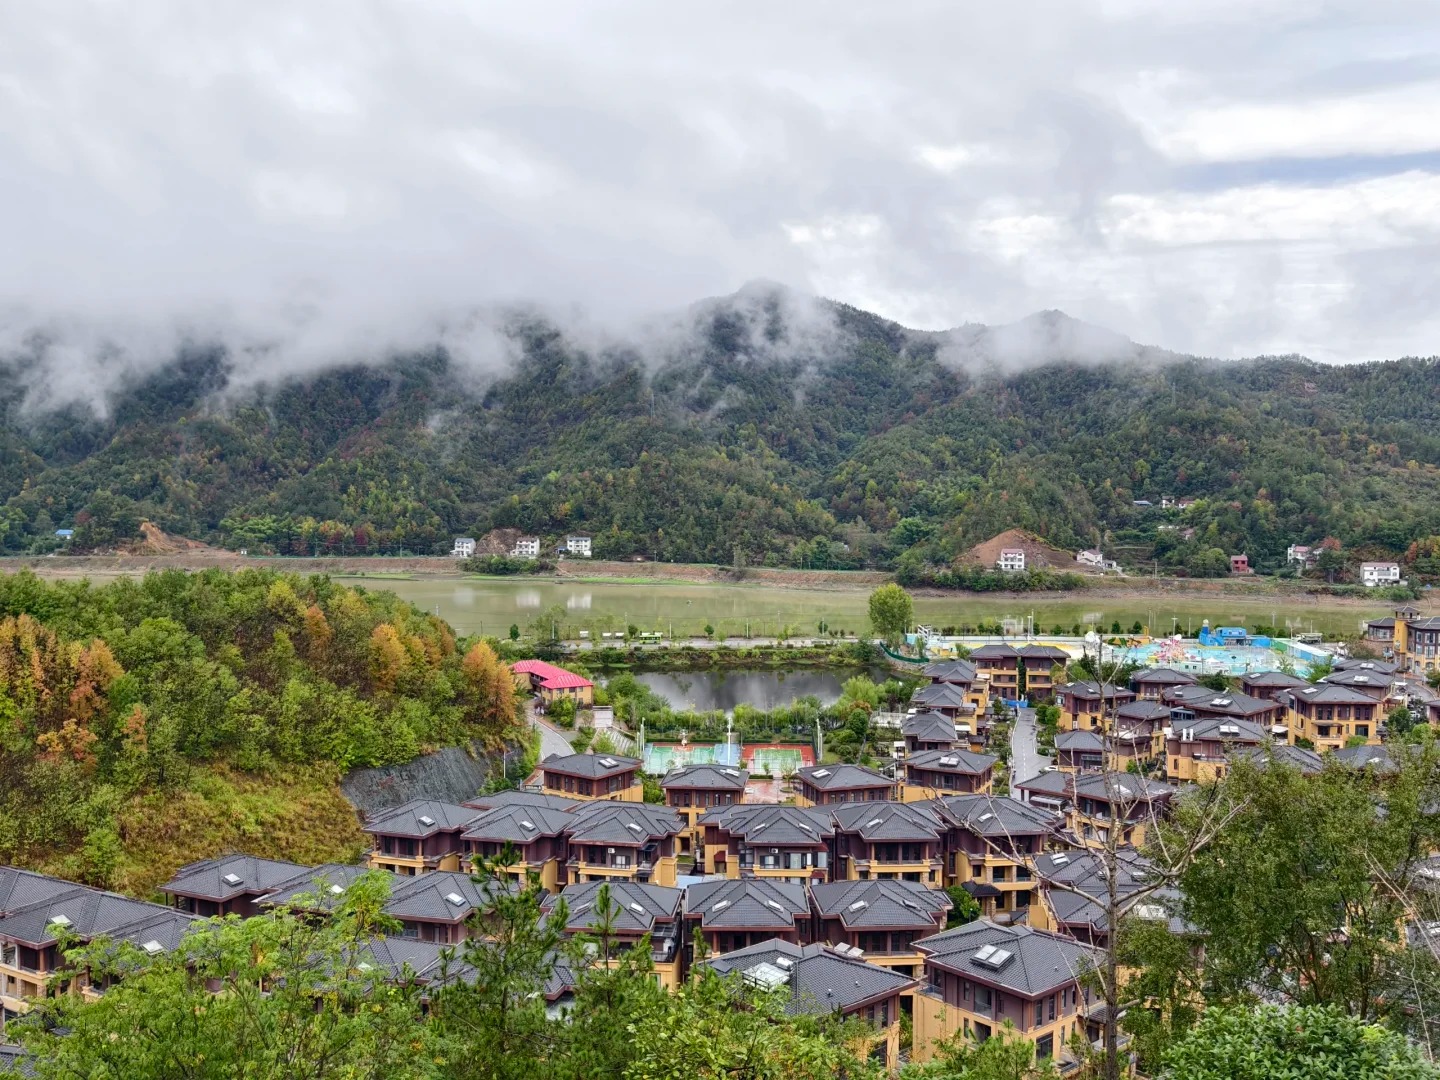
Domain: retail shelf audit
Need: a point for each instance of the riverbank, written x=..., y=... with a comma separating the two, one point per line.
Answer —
x=1136, y=590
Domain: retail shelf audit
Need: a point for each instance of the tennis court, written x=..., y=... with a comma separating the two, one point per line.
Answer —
x=777, y=760
x=660, y=758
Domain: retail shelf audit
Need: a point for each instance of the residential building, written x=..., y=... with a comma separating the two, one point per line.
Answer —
x=831, y=785
x=823, y=981
x=950, y=699
x=315, y=890
x=1011, y=559
x=578, y=545
x=1049, y=791
x=593, y=776
x=1304, y=761
x=1093, y=557
x=990, y=847
x=1375, y=759
x=1301, y=555
x=973, y=683
x=1077, y=751
x=766, y=841
x=30, y=933
x=1137, y=734
x=526, y=547
x=441, y=907
x=1198, y=749
x=1329, y=716
x=637, y=910
x=464, y=547
x=1381, y=632
x=418, y=836
x=928, y=731
x=932, y=773
x=901, y=841
x=1000, y=664
x=735, y=914
x=980, y=975
x=1151, y=683
x=1379, y=573
x=1105, y=802
x=693, y=789
x=1269, y=684
x=624, y=841
x=1075, y=895
x=536, y=834
x=1369, y=680
x=1240, y=564
x=1202, y=702
x=1089, y=705
x=1040, y=663
x=880, y=920
x=551, y=684
x=1416, y=643
x=228, y=885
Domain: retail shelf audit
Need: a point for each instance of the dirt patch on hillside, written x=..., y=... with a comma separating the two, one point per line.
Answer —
x=156, y=541
x=1038, y=553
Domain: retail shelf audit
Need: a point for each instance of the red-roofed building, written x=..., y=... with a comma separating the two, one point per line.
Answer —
x=552, y=683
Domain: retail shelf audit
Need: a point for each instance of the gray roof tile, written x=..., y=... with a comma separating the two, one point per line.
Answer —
x=705, y=777
x=882, y=903
x=843, y=777
x=750, y=903
x=820, y=980
x=591, y=766
x=1039, y=962
x=421, y=818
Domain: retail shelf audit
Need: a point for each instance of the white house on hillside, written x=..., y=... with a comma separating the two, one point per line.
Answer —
x=578, y=545
x=1379, y=573
x=464, y=547
x=1301, y=554
x=526, y=547
x=1091, y=557
x=1011, y=559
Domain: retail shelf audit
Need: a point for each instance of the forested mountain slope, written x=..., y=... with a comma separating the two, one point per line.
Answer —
x=788, y=430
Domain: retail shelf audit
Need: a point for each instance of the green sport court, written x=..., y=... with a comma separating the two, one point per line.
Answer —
x=767, y=760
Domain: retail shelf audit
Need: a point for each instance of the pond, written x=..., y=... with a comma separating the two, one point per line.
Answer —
x=710, y=691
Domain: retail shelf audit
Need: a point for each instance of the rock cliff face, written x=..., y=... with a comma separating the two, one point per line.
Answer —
x=451, y=774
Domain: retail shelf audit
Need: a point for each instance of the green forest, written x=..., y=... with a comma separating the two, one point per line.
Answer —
x=148, y=722
x=870, y=449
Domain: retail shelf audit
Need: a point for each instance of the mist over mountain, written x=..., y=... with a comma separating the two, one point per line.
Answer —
x=785, y=428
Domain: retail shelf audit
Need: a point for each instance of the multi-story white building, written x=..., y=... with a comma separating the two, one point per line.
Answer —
x=1091, y=557
x=526, y=547
x=1379, y=573
x=1300, y=554
x=578, y=545
x=464, y=547
x=1011, y=559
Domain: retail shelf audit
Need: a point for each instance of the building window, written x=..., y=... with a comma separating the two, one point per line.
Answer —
x=1045, y=1047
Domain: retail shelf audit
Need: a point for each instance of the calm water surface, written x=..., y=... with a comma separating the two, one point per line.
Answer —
x=708, y=691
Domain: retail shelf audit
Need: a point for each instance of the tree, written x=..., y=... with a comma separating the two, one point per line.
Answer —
x=514, y=632
x=891, y=611
x=965, y=907
x=298, y=997
x=1320, y=669
x=1298, y=1043
x=1218, y=681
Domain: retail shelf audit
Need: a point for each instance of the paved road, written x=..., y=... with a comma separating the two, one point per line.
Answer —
x=551, y=741
x=1025, y=759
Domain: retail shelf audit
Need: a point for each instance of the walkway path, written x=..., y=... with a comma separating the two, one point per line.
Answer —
x=1026, y=760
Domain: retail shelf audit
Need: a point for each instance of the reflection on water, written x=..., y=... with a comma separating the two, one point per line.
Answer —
x=578, y=602
x=528, y=599
x=708, y=691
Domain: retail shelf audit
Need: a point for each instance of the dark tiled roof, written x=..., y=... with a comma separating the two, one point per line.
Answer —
x=1039, y=962
x=210, y=878
x=519, y=824
x=1376, y=758
x=446, y=896
x=1352, y=663
x=1359, y=678
x=950, y=671
x=994, y=652
x=1328, y=693
x=1297, y=757
x=1230, y=703
x=638, y=906
x=929, y=727
x=624, y=823
x=820, y=980
x=1272, y=680
x=1088, y=688
x=1045, y=652
x=1389, y=620
x=1048, y=783
x=1079, y=741
x=1222, y=729
x=406, y=819
x=956, y=761
x=995, y=815
x=19, y=888
x=1145, y=709
x=939, y=695
x=778, y=826
x=523, y=798
x=881, y=821
x=590, y=766
x=158, y=931
x=749, y=903
x=1121, y=787
x=86, y=913
x=706, y=777
x=318, y=886
x=843, y=777
x=15, y=1061
x=1163, y=676
x=882, y=903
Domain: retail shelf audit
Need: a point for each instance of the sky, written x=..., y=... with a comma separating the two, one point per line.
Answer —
x=1221, y=177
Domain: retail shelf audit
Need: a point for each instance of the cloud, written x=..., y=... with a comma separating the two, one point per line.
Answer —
x=338, y=180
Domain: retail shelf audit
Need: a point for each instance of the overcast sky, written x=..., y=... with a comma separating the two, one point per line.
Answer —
x=1225, y=178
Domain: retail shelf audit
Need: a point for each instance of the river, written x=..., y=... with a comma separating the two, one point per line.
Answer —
x=708, y=691
x=492, y=606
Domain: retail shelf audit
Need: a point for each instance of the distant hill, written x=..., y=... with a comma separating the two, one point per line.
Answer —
x=768, y=424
